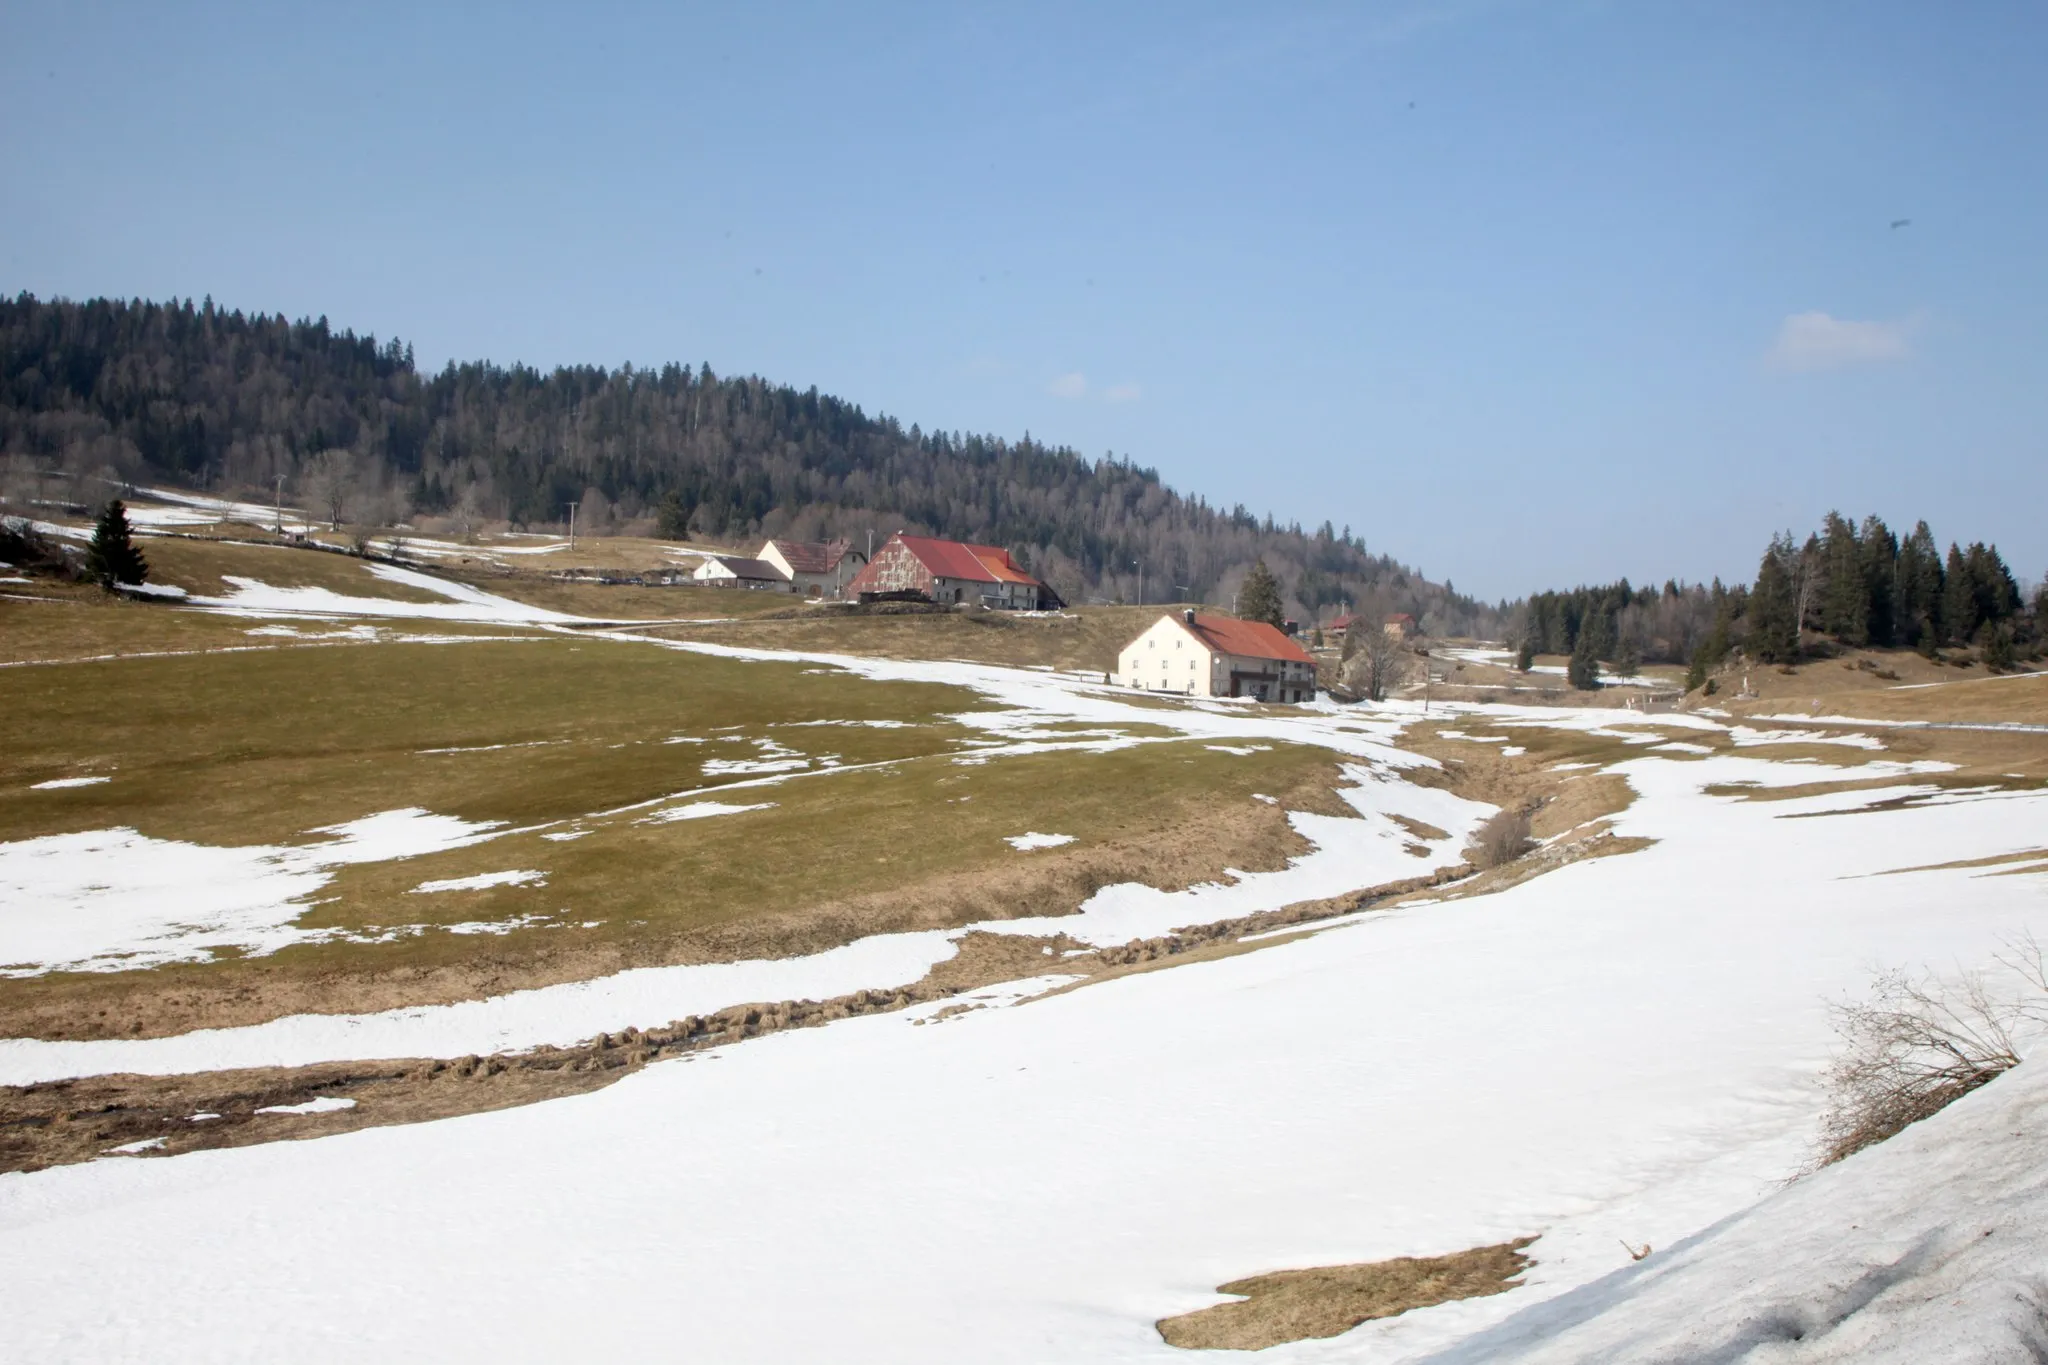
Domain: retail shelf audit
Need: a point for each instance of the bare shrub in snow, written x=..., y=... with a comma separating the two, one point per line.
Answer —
x=1920, y=1044
x=1503, y=838
x=1374, y=662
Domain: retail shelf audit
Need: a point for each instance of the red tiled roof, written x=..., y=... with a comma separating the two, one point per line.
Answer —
x=807, y=556
x=1400, y=618
x=973, y=563
x=1246, y=639
x=999, y=563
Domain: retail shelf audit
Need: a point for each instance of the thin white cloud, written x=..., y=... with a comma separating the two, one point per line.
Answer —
x=1817, y=341
x=1074, y=385
x=1121, y=393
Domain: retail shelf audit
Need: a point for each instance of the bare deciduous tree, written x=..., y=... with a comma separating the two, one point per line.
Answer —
x=331, y=484
x=1377, y=662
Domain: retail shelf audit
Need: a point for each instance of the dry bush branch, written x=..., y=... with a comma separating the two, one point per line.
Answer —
x=1503, y=838
x=1920, y=1044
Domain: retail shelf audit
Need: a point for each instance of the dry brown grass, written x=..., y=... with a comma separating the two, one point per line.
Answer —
x=1296, y=1305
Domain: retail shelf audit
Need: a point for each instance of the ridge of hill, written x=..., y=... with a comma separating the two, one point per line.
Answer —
x=232, y=402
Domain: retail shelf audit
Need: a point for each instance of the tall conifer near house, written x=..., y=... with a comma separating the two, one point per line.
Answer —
x=1259, y=598
x=112, y=557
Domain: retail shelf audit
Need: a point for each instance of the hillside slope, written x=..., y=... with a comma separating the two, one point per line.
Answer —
x=231, y=401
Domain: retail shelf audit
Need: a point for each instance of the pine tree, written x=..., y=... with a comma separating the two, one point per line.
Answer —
x=1525, y=657
x=1998, y=651
x=1845, y=605
x=1916, y=598
x=1583, y=672
x=1259, y=598
x=672, y=517
x=112, y=557
x=1773, y=634
x=1880, y=573
x=1628, y=660
x=1958, y=602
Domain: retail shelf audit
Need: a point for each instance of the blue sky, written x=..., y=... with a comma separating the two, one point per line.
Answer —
x=1525, y=293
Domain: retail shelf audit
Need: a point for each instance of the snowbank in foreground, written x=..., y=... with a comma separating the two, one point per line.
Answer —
x=1929, y=1247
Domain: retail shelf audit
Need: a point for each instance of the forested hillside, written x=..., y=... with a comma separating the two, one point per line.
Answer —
x=229, y=401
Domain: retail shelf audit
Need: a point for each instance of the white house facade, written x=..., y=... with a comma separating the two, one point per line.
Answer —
x=1217, y=656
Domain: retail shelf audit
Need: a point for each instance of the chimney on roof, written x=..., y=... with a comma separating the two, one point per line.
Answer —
x=1188, y=616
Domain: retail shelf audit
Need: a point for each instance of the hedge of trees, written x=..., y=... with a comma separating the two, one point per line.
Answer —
x=1852, y=585
x=231, y=402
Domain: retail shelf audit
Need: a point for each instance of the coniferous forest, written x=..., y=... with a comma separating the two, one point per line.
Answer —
x=231, y=402
x=1848, y=585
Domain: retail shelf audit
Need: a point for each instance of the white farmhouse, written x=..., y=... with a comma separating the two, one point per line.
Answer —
x=734, y=571
x=1217, y=656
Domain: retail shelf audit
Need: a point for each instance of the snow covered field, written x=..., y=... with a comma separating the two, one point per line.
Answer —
x=1624, y=1049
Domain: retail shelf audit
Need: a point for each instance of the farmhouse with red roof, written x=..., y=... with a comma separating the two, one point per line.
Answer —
x=950, y=571
x=1218, y=656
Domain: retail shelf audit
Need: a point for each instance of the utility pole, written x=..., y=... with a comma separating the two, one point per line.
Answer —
x=1139, y=565
x=572, y=525
x=280, y=504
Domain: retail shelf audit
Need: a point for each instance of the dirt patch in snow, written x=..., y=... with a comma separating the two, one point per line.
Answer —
x=1327, y=1301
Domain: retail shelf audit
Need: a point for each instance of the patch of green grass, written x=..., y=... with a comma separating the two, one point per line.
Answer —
x=202, y=568
x=827, y=841
x=263, y=747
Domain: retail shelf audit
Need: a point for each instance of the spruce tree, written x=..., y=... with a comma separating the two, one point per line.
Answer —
x=1773, y=634
x=1525, y=656
x=1958, y=602
x=672, y=517
x=1259, y=598
x=1583, y=672
x=1628, y=660
x=1917, y=597
x=1845, y=604
x=112, y=557
x=1880, y=573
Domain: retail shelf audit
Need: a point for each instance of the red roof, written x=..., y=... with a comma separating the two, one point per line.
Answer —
x=1246, y=639
x=999, y=563
x=973, y=563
